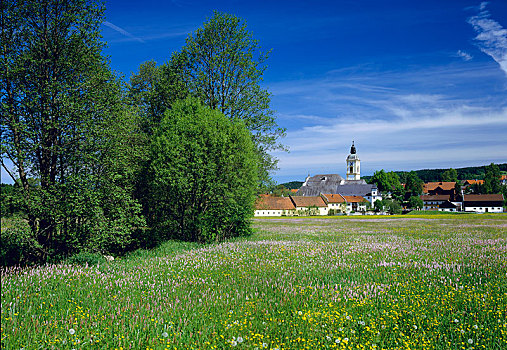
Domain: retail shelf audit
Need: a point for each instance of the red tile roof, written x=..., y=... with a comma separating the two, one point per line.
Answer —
x=334, y=198
x=473, y=182
x=483, y=198
x=274, y=203
x=432, y=186
x=354, y=199
x=307, y=201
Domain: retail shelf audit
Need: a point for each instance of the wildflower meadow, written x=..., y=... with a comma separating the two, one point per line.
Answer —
x=411, y=282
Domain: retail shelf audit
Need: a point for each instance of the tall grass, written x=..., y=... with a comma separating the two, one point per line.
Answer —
x=390, y=283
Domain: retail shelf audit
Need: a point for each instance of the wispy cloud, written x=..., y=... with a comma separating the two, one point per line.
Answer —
x=491, y=36
x=464, y=55
x=122, y=31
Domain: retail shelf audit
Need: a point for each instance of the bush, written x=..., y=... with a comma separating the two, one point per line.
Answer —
x=202, y=175
x=17, y=246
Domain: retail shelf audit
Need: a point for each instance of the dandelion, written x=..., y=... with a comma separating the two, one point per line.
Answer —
x=165, y=335
x=470, y=341
x=72, y=331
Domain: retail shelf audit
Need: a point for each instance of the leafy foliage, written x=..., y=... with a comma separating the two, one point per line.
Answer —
x=64, y=125
x=222, y=65
x=202, y=175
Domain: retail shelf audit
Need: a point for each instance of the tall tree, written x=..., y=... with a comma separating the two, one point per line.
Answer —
x=450, y=175
x=223, y=66
x=413, y=185
x=60, y=107
x=492, y=179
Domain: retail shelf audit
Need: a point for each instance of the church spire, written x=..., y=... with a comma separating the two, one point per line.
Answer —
x=353, y=148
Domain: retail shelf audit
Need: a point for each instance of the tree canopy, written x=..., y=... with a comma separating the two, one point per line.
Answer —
x=202, y=174
x=222, y=65
x=63, y=124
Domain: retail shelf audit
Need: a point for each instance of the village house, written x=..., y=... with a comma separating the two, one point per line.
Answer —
x=433, y=202
x=335, y=202
x=483, y=203
x=356, y=203
x=274, y=206
x=313, y=205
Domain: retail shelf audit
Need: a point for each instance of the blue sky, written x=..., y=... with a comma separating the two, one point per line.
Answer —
x=416, y=84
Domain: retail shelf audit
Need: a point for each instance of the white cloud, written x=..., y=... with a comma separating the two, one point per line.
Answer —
x=464, y=55
x=491, y=36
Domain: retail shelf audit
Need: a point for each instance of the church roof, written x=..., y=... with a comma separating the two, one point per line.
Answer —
x=334, y=184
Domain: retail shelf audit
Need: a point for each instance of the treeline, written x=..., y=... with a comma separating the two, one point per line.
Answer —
x=103, y=165
x=468, y=173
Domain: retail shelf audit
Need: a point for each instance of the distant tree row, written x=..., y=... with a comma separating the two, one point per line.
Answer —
x=103, y=166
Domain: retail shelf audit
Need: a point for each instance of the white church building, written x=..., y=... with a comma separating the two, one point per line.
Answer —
x=352, y=185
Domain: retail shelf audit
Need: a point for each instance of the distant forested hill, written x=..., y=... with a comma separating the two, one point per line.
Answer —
x=469, y=173
x=293, y=185
x=428, y=175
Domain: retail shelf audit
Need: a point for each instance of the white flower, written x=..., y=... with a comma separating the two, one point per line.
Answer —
x=264, y=345
x=353, y=331
x=165, y=335
x=300, y=312
x=456, y=320
x=240, y=340
x=361, y=323
x=328, y=337
x=72, y=331
x=470, y=341
x=346, y=340
x=475, y=326
x=415, y=327
x=337, y=341
x=462, y=331
x=234, y=343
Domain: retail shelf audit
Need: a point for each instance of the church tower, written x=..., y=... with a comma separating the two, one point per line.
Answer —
x=353, y=165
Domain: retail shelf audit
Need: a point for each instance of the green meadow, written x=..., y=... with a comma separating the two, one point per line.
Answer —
x=397, y=282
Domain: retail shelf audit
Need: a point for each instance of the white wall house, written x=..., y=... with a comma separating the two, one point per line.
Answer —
x=483, y=203
x=335, y=202
x=432, y=202
x=274, y=206
x=306, y=205
x=373, y=196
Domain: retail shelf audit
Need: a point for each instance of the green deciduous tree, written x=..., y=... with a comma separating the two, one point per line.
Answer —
x=63, y=124
x=492, y=179
x=416, y=202
x=388, y=182
x=450, y=175
x=223, y=65
x=413, y=184
x=203, y=173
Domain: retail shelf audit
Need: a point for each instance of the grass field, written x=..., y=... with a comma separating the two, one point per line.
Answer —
x=418, y=282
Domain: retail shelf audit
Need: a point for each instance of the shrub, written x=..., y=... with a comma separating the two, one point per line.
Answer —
x=202, y=175
x=17, y=245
